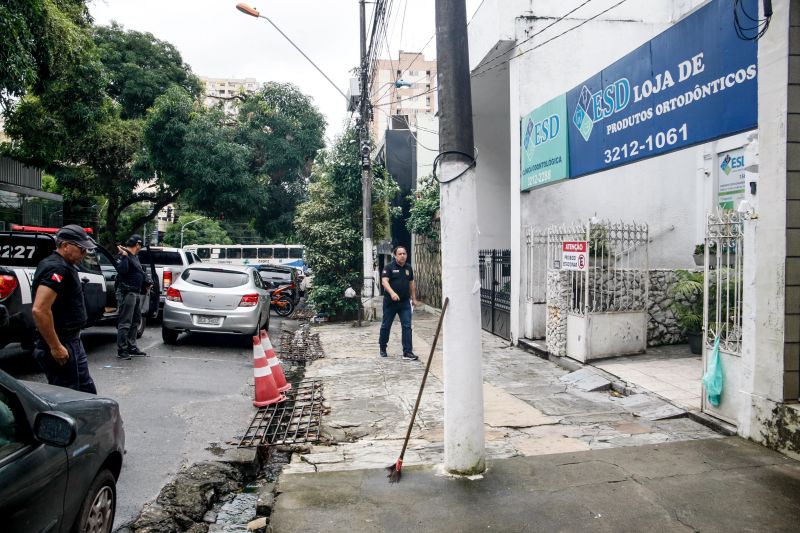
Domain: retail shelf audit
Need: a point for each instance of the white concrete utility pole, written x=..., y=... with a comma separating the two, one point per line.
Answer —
x=464, y=447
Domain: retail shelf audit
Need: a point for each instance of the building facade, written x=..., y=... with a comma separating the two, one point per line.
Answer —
x=22, y=200
x=216, y=90
x=402, y=91
x=672, y=118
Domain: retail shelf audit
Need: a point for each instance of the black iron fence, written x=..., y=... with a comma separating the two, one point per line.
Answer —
x=495, y=273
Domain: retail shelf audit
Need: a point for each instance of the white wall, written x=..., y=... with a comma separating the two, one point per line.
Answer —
x=490, y=115
x=427, y=133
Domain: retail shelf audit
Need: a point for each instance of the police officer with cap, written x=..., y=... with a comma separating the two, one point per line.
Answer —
x=131, y=280
x=59, y=312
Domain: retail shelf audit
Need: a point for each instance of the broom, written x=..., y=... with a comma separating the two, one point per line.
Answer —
x=395, y=469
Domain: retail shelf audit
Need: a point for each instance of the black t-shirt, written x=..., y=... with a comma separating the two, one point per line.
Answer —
x=400, y=278
x=69, y=309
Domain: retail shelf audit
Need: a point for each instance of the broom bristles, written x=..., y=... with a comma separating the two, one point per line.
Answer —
x=394, y=471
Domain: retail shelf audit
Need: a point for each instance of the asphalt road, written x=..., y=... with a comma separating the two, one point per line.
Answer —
x=181, y=404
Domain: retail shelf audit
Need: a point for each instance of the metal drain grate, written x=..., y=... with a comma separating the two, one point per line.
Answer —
x=300, y=346
x=294, y=420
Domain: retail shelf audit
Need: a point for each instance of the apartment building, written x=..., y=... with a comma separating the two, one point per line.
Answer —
x=217, y=90
x=402, y=89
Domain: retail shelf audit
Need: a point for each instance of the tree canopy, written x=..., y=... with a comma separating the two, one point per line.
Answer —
x=115, y=117
x=329, y=222
x=204, y=231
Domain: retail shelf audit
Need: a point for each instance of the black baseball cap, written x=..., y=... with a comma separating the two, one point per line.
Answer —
x=135, y=239
x=76, y=234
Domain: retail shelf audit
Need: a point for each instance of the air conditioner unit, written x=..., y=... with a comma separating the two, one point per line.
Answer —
x=353, y=95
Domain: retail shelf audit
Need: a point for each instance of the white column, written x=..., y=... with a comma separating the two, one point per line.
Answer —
x=464, y=451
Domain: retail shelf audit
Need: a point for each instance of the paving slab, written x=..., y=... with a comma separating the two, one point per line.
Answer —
x=701, y=485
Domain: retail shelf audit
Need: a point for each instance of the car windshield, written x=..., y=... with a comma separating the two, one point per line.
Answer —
x=160, y=257
x=214, y=277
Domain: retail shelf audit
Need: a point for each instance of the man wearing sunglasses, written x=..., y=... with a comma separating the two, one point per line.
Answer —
x=59, y=312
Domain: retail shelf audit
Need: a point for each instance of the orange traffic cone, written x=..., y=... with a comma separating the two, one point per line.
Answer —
x=266, y=390
x=274, y=363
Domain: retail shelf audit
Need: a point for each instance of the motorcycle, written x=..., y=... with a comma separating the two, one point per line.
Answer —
x=281, y=302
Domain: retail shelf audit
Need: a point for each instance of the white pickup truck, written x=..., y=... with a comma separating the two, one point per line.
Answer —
x=169, y=264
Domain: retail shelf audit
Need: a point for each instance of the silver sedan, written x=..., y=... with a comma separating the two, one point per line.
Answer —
x=217, y=299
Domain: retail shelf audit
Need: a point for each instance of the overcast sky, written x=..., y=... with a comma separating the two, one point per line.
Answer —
x=219, y=41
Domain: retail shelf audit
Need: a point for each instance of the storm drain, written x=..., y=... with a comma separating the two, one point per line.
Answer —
x=292, y=421
x=306, y=313
x=302, y=345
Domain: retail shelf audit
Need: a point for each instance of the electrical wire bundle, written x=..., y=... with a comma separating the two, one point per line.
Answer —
x=761, y=25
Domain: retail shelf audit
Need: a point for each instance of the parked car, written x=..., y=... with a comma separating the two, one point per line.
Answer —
x=281, y=276
x=216, y=298
x=169, y=264
x=60, y=458
x=20, y=253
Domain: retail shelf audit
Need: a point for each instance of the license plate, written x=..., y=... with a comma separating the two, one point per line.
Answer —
x=208, y=320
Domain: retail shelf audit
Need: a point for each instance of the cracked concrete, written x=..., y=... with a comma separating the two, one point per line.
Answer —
x=371, y=400
x=559, y=458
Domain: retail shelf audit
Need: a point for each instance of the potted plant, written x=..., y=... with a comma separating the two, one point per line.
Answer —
x=688, y=307
x=600, y=252
x=699, y=254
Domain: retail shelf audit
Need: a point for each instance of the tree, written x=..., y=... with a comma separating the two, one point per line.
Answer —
x=284, y=131
x=329, y=223
x=39, y=39
x=85, y=126
x=141, y=68
x=252, y=166
x=205, y=231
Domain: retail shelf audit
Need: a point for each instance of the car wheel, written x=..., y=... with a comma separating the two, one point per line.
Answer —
x=97, y=511
x=169, y=336
x=285, y=306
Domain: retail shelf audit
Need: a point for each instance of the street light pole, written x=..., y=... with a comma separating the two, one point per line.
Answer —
x=247, y=10
x=190, y=222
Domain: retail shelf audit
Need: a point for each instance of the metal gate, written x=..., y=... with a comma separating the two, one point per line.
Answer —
x=495, y=272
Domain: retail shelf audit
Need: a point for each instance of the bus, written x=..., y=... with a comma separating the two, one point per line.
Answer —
x=251, y=254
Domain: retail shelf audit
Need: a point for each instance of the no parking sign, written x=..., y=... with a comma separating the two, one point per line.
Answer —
x=574, y=255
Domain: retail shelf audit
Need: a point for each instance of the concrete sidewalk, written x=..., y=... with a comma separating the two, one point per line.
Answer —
x=701, y=485
x=535, y=412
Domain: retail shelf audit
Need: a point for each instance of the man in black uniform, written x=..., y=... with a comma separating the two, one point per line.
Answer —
x=397, y=279
x=131, y=279
x=59, y=312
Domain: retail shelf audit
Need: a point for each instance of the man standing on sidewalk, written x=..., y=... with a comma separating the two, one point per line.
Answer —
x=59, y=312
x=131, y=280
x=397, y=279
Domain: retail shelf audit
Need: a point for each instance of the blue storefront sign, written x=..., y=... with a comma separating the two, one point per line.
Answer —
x=695, y=82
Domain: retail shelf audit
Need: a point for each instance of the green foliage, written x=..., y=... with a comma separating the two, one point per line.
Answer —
x=689, y=308
x=141, y=68
x=329, y=222
x=284, y=131
x=424, y=209
x=205, y=231
x=39, y=37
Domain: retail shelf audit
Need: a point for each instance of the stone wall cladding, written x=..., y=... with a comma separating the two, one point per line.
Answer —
x=557, y=305
x=662, y=326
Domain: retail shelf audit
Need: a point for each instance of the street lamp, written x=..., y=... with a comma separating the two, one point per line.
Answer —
x=247, y=10
x=190, y=222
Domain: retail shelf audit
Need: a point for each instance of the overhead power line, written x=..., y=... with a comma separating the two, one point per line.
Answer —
x=523, y=52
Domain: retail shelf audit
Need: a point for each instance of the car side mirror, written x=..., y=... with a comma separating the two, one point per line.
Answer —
x=54, y=428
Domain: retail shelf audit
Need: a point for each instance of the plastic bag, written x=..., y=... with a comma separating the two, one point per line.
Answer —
x=712, y=379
